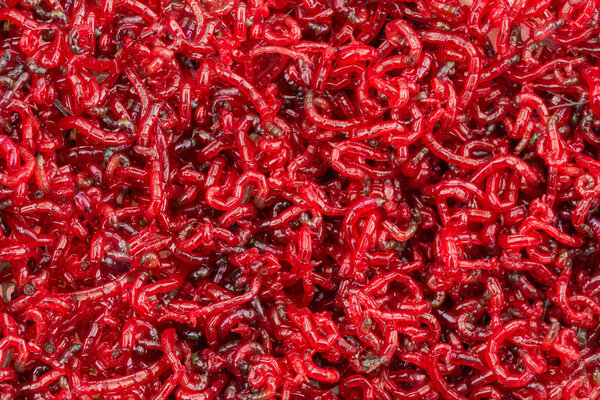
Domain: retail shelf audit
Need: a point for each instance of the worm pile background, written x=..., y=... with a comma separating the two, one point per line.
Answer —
x=299, y=199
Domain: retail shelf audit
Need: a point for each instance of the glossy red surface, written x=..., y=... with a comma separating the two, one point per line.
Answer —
x=299, y=199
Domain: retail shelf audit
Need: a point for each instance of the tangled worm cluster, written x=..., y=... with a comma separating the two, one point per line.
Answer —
x=299, y=199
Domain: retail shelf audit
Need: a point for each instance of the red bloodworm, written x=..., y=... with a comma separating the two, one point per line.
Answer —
x=20, y=19
x=324, y=122
x=357, y=150
x=42, y=383
x=437, y=379
x=447, y=155
x=126, y=382
x=474, y=62
x=139, y=8
x=226, y=304
x=494, y=344
x=247, y=89
x=504, y=161
x=84, y=127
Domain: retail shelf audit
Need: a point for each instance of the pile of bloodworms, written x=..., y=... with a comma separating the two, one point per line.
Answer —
x=300, y=199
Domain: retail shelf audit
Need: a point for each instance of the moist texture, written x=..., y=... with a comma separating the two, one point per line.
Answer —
x=299, y=200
